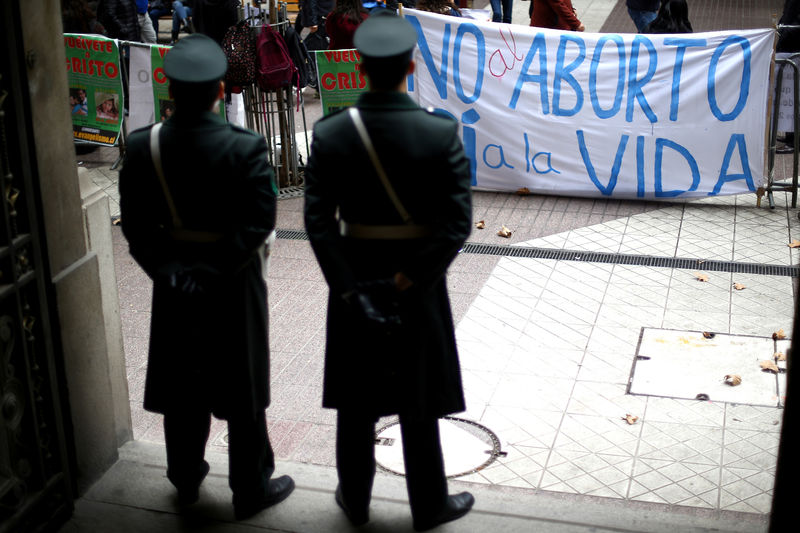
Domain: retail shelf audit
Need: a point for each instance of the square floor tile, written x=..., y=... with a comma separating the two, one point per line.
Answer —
x=596, y=434
x=753, y=417
x=746, y=490
x=691, y=412
x=681, y=442
x=604, y=399
x=523, y=390
x=755, y=450
x=666, y=481
x=606, y=367
x=588, y=473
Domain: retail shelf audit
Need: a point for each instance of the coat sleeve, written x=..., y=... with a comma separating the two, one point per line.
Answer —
x=257, y=198
x=321, y=204
x=141, y=210
x=565, y=13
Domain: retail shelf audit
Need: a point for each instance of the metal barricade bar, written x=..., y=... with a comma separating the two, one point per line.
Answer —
x=771, y=185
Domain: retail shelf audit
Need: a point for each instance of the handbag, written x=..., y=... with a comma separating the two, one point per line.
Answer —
x=239, y=47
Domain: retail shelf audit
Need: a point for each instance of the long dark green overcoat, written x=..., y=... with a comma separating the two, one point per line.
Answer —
x=416, y=369
x=209, y=347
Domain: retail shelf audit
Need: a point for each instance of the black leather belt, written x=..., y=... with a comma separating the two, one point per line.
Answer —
x=391, y=232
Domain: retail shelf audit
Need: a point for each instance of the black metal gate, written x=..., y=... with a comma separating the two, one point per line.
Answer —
x=36, y=489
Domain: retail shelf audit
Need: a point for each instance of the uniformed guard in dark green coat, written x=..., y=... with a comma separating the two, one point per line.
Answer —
x=384, y=245
x=197, y=227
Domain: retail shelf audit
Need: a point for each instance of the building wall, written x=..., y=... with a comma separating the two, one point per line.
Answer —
x=77, y=229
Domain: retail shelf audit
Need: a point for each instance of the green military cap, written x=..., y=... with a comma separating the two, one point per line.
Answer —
x=196, y=58
x=384, y=34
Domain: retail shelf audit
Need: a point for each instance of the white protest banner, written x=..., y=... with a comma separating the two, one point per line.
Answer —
x=786, y=96
x=612, y=115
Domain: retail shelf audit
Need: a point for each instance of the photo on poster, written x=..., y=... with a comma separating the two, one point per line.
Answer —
x=107, y=108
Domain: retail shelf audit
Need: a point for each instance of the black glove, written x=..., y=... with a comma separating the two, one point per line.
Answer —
x=184, y=281
x=189, y=279
x=375, y=302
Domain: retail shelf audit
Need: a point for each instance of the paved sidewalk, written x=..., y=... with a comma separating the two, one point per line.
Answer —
x=549, y=347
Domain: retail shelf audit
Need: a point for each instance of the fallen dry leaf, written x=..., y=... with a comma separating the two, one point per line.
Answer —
x=709, y=335
x=733, y=379
x=780, y=356
x=630, y=419
x=794, y=244
x=769, y=366
x=481, y=224
x=523, y=191
x=778, y=335
x=738, y=286
x=504, y=232
x=700, y=276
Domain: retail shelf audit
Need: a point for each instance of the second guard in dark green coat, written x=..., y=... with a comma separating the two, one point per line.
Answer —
x=390, y=337
x=198, y=230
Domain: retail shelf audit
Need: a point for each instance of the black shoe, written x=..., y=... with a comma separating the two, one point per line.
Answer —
x=190, y=493
x=277, y=490
x=357, y=519
x=785, y=149
x=457, y=506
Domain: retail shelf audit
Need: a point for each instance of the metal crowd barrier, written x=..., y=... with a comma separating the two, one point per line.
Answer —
x=772, y=186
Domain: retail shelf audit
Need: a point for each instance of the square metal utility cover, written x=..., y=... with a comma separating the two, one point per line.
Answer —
x=686, y=364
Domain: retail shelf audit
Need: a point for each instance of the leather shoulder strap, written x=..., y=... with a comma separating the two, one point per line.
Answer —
x=355, y=116
x=155, y=153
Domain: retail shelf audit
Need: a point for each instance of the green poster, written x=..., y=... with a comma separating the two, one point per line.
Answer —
x=95, y=88
x=340, y=79
x=164, y=105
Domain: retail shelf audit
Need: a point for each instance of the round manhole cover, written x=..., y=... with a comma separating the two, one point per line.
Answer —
x=467, y=446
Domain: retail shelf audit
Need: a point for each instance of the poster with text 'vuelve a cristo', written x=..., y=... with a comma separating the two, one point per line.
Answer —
x=95, y=88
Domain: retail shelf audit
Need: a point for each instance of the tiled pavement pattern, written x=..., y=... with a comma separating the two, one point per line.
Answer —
x=547, y=346
x=547, y=349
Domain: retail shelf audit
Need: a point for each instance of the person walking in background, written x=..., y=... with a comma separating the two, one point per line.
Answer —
x=158, y=9
x=78, y=17
x=442, y=7
x=789, y=42
x=501, y=10
x=182, y=17
x=215, y=17
x=642, y=12
x=556, y=14
x=673, y=17
x=209, y=350
x=384, y=250
x=120, y=19
x=147, y=32
x=342, y=23
x=312, y=15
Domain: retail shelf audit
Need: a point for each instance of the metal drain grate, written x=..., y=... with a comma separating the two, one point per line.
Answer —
x=291, y=234
x=505, y=250
x=631, y=259
x=291, y=192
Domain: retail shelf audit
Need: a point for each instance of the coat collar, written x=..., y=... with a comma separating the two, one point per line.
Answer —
x=207, y=118
x=386, y=100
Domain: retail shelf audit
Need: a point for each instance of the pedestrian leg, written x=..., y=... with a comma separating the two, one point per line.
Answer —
x=425, y=476
x=355, y=460
x=185, y=436
x=251, y=460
